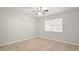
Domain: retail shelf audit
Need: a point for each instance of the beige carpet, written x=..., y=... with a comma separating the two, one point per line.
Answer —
x=38, y=44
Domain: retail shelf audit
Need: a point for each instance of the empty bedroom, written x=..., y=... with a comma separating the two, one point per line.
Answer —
x=39, y=29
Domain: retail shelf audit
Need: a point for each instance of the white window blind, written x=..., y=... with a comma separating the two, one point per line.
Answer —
x=55, y=25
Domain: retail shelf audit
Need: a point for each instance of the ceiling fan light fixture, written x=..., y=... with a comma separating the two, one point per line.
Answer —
x=40, y=10
x=39, y=13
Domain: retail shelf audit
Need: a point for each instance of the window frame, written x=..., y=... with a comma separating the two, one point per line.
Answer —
x=53, y=29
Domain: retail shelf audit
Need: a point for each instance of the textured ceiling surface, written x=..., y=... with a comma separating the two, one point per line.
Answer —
x=51, y=10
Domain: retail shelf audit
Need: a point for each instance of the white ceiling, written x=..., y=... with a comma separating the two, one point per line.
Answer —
x=52, y=10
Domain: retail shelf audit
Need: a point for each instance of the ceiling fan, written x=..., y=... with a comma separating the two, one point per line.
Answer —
x=40, y=10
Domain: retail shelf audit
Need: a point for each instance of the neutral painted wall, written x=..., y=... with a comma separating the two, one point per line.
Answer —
x=71, y=27
x=16, y=26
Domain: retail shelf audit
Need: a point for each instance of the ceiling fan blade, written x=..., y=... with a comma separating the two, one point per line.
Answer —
x=45, y=10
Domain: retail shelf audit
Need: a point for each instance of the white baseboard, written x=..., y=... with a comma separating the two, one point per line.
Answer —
x=38, y=37
x=4, y=44
x=76, y=44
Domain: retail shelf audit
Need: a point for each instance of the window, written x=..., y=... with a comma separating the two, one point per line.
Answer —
x=55, y=25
